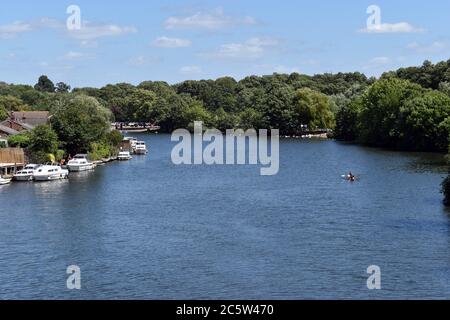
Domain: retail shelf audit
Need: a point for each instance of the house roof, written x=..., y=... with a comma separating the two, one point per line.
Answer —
x=8, y=130
x=9, y=123
x=33, y=118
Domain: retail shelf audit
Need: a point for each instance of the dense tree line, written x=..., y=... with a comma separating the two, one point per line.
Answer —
x=405, y=109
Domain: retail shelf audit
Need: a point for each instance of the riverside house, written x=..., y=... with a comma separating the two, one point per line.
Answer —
x=23, y=121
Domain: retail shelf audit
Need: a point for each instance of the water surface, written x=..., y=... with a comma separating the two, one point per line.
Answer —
x=148, y=229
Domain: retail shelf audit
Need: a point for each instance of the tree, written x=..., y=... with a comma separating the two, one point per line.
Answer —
x=313, y=109
x=43, y=139
x=347, y=121
x=380, y=118
x=61, y=87
x=20, y=140
x=80, y=121
x=252, y=119
x=44, y=84
x=426, y=124
x=3, y=113
x=10, y=103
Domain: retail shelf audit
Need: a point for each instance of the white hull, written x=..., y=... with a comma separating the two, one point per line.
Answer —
x=4, y=181
x=141, y=152
x=50, y=177
x=75, y=168
x=23, y=178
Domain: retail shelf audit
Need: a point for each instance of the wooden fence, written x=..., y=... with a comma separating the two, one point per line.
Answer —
x=12, y=156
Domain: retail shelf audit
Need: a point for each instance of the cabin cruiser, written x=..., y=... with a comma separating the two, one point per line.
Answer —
x=140, y=148
x=50, y=172
x=80, y=163
x=27, y=173
x=124, y=155
x=132, y=141
x=4, y=181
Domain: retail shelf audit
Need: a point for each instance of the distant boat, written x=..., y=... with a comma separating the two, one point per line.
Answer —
x=124, y=156
x=133, y=130
x=50, y=173
x=140, y=148
x=80, y=163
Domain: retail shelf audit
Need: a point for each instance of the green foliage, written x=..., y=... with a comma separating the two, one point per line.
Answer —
x=99, y=150
x=313, y=109
x=19, y=141
x=429, y=75
x=195, y=112
x=43, y=139
x=11, y=103
x=41, y=157
x=380, y=118
x=251, y=119
x=347, y=121
x=79, y=121
x=3, y=113
x=426, y=124
x=62, y=87
x=44, y=84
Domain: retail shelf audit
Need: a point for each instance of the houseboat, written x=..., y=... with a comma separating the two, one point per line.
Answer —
x=80, y=163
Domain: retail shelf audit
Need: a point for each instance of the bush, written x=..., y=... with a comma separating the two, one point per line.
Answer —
x=99, y=151
x=19, y=141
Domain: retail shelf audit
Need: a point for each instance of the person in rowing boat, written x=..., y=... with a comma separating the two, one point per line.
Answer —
x=351, y=177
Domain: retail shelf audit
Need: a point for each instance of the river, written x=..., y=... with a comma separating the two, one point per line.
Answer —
x=147, y=229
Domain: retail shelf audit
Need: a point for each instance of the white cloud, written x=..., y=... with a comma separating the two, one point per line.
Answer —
x=214, y=20
x=380, y=61
x=72, y=55
x=89, y=32
x=165, y=42
x=250, y=49
x=9, y=31
x=142, y=61
x=190, y=70
x=435, y=47
x=401, y=27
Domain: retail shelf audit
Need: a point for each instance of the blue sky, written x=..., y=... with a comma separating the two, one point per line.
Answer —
x=137, y=40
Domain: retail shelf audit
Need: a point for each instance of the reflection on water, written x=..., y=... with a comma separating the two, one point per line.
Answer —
x=148, y=229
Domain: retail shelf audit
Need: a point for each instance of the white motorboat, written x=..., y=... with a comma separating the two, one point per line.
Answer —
x=80, y=163
x=124, y=156
x=50, y=172
x=4, y=181
x=140, y=148
x=27, y=173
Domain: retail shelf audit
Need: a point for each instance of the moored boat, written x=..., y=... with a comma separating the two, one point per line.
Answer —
x=50, y=172
x=124, y=156
x=80, y=163
x=27, y=173
x=4, y=181
x=140, y=148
